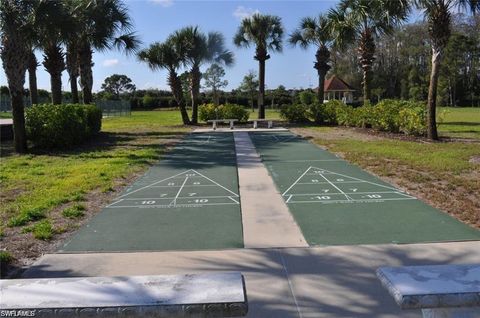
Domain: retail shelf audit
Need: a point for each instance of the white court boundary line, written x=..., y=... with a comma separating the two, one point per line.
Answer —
x=174, y=176
x=357, y=179
x=290, y=197
x=354, y=200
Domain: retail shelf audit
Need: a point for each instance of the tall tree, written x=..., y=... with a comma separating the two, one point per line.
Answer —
x=438, y=14
x=250, y=86
x=101, y=25
x=213, y=79
x=117, y=84
x=52, y=26
x=72, y=69
x=316, y=31
x=200, y=48
x=168, y=55
x=266, y=33
x=360, y=21
x=16, y=35
x=32, y=78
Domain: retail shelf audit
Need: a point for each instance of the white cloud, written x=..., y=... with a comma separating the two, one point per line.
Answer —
x=163, y=3
x=110, y=62
x=241, y=12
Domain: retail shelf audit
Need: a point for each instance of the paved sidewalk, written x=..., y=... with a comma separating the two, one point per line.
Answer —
x=335, y=281
x=265, y=216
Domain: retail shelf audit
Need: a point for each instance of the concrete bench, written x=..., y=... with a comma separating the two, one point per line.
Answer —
x=438, y=290
x=202, y=295
x=215, y=121
x=256, y=121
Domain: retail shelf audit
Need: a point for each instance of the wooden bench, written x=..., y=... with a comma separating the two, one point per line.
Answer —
x=255, y=122
x=215, y=121
x=200, y=295
x=438, y=290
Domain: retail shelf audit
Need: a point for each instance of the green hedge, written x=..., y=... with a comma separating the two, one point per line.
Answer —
x=388, y=115
x=395, y=116
x=227, y=111
x=296, y=113
x=61, y=126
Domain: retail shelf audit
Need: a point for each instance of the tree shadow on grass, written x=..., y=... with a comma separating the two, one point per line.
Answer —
x=104, y=141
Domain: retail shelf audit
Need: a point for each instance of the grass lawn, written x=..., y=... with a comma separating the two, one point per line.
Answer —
x=5, y=115
x=459, y=122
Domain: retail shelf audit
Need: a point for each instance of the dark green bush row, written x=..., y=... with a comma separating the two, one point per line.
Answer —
x=388, y=115
x=61, y=126
x=228, y=111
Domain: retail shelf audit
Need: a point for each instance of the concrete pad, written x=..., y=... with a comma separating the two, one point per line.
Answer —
x=222, y=294
x=240, y=129
x=335, y=281
x=267, y=222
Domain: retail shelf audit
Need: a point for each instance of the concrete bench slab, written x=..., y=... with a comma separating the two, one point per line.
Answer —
x=193, y=295
x=256, y=121
x=215, y=121
x=439, y=290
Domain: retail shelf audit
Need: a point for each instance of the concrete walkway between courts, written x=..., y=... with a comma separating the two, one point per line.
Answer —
x=266, y=219
x=335, y=281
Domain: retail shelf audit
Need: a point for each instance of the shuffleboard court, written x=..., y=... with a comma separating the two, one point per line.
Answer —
x=337, y=203
x=188, y=201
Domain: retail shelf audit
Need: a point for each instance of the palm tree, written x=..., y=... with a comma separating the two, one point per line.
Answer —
x=199, y=49
x=52, y=26
x=16, y=34
x=32, y=77
x=316, y=31
x=266, y=33
x=360, y=21
x=101, y=25
x=72, y=69
x=168, y=55
x=439, y=15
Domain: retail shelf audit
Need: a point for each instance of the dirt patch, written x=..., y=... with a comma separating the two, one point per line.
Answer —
x=475, y=159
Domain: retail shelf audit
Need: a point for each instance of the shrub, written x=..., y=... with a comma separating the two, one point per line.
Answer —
x=210, y=112
x=61, y=126
x=307, y=97
x=412, y=121
x=229, y=111
x=235, y=111
x=296, y=113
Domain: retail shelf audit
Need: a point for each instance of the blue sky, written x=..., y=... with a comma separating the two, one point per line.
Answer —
x=154, y=20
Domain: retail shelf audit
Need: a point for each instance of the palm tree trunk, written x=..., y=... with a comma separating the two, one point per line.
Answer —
x=366, y=52
x=432, y=94
x=86, y=75
x=74, y=90
x=72, y=69
x=322, y=67
x=15, y=56
x=32, y=78
x=54, y=65
x=176, y=87
x=18, y=114
x=261, y=89
x=195, y=77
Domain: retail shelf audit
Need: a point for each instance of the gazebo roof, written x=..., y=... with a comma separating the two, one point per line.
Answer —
x=335, y=83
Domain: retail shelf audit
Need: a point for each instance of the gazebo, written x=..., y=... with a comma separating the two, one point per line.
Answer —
x=336, y=88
